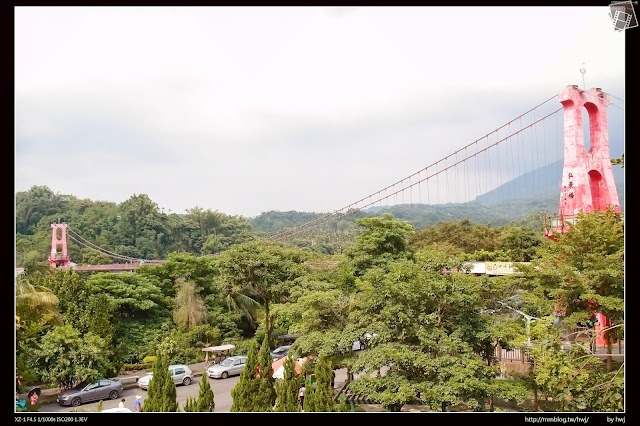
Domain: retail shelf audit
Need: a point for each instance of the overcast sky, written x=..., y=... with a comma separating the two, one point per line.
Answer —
x=251, y=109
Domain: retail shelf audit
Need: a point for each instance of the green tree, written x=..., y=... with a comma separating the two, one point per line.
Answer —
x=35, y=313
x=67, y=357
x=266, y=396
x=161, y=395
x=244, y=392
x=205, y=396
x=384, y=239
x=204, y=403
x=520, y=243
x=190, y=405
x=309, y=403
x=464, y=235
x=323, y=391
x=287, y=388
x=261, y=271
x=429, y=338
x=73, y=294
x=573, y=379
x=582, y=273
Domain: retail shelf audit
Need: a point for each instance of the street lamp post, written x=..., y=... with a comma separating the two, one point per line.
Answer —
x=528, y=319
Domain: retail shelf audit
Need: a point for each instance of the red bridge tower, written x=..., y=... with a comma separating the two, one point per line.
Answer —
x=587, y=176
x=56, y=259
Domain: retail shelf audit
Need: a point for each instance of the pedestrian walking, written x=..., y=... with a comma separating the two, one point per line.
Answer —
x=137, y=406
x=121, y=404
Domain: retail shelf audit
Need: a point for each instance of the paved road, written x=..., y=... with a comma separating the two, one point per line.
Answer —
x=221, y=396
x=221, y=393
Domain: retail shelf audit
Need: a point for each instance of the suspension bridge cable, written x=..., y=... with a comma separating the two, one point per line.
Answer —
x=511, y=163
x=534, y=148
x=487, y=173
x=105, y=251
x=90, y=244
x=498, y=173
x=277, y=235
x=354, y=208
x=94, y=249
x=615, y=97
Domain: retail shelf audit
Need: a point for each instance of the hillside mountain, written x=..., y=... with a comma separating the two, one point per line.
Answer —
x=543, y=182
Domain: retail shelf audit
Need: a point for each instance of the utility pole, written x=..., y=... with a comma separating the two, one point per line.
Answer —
x=583, y=71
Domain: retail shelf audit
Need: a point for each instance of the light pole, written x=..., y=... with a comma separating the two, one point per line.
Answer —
x=528, y=319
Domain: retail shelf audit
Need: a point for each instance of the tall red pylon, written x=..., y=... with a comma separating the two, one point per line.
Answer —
x=57, y=260
x=587, y=176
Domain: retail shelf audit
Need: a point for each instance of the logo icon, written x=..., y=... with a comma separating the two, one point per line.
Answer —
x=622, y=15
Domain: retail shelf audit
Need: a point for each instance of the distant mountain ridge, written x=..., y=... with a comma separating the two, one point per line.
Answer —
x=543, y=182
x=510, y=203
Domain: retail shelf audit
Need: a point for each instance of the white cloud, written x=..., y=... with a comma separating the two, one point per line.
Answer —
x=251, y=109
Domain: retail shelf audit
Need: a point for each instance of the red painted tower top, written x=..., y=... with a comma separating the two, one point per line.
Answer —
x=587, y=177
x=59, y=259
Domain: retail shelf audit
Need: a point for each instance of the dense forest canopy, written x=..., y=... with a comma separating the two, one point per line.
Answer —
x=138, y=228
x=433, y=332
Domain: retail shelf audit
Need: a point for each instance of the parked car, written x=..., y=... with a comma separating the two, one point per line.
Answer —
x=280, y=352
x=180, y=373
x=229, y=367
x=91, y=391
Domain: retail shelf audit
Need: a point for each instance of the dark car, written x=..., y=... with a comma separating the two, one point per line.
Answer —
x=280, y=351
x=93, y=391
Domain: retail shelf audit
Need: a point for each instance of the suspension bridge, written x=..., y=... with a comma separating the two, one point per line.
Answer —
x=565, y=137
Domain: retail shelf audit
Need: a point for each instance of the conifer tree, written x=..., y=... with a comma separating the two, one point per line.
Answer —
x=309, y=403
x=246, y=389
x=161, y=395
x=266, y=396
x=287, y=388
x=190, y=405
x=205, y=402
x=323, y=393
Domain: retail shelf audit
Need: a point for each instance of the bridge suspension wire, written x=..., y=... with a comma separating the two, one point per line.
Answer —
x=355, y=207
x=312, y=224
x=99, y=251
x=97, y=248
x=613, y=96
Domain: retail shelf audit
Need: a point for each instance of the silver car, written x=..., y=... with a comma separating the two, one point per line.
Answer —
x=180, y=373
x=87, y=392
x=229, y=367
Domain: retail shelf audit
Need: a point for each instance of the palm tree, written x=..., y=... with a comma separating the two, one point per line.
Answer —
x=238, y=301
x=35, y=302
x=35, y=311
x=190, y=308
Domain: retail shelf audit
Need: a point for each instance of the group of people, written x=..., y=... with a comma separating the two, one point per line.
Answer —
x=32, y=396
x=137, y=405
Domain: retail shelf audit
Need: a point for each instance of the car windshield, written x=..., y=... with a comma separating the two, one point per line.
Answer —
x=227, y=362
x=82, y=385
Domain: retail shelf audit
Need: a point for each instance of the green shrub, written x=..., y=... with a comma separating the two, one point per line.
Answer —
x=137, y=367
x=149, y=359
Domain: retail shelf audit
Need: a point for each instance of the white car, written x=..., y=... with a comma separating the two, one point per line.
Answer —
x=229, y=367
x=117, y=410
x=180, y=373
